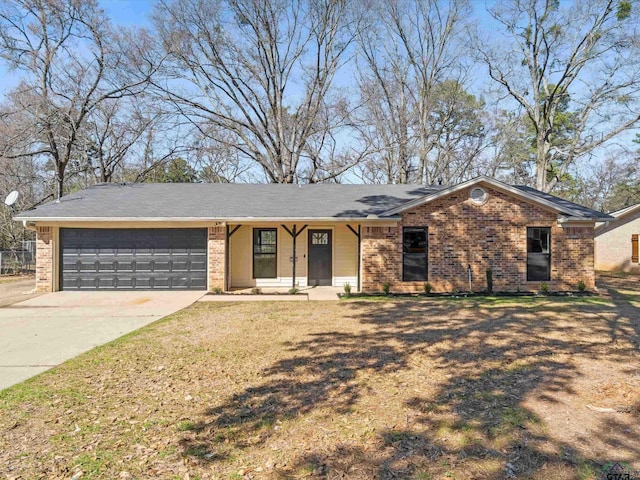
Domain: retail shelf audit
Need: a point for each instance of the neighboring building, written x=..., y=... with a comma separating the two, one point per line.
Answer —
x=617, y=242
x=226, y=236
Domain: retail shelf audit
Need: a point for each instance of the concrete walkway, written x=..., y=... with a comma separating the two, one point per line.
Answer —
x=277, y=295
x=43, y=332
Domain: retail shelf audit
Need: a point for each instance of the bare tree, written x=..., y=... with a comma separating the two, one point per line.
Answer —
x=409, y=50
x=25, y=176
x=111, y=134
x=262, y=71
x=72, y=61
x=574, y=69
x=216, y=158
x=508, y=153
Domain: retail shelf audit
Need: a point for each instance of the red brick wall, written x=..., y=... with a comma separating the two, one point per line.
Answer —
x=492, y=235
x=216, y=250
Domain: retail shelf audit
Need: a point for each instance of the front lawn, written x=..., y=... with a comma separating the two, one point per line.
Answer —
x=548, y=388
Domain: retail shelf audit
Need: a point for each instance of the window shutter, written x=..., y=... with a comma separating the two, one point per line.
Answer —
x=634, y=248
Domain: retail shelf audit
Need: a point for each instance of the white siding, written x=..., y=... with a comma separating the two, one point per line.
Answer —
x=345, y=257
x=613, y=245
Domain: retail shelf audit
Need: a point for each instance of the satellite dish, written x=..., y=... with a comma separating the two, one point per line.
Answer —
x=11, y=198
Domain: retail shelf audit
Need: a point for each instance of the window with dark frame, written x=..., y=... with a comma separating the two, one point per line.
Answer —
x=538, y=254
x=265, y=244
x=414, y=254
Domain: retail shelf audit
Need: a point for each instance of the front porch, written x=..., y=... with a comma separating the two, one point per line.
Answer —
x=282, y=256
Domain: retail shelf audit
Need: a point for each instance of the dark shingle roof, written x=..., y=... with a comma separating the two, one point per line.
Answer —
x=211, y=201
x=562, y=204
x=193, y=201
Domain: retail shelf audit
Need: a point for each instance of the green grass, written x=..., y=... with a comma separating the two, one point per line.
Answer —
x=93, y=464
x=32, y=390
x=186, y=426
x=486, y=301
x=511, y=419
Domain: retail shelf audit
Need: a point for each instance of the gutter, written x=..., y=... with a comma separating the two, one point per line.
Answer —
x=573, y=219
x=368, y=219
x=28, y=225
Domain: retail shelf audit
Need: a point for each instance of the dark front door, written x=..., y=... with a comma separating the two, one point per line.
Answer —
x=133, y=259
x=320, y=271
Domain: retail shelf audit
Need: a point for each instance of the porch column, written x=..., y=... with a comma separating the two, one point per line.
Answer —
x=216, y=254
x=294, y=236
x=46, y=240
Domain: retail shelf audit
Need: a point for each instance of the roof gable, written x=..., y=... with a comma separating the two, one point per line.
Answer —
x=623, y=212
x=529, y=194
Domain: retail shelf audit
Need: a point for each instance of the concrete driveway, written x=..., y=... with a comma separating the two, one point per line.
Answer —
x=43, y=332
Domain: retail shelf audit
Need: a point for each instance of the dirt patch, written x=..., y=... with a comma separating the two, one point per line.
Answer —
x=425, y=389
x=140, y=301
x=16, y=289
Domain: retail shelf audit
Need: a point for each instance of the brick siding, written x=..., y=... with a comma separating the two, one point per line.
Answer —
x=488, y=236
x=44, y=259
x=216, y=257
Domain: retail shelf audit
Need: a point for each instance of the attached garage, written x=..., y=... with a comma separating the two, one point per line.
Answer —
x=133, y=259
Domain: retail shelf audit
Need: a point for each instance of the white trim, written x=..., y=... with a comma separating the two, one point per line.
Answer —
x=494, y=183
x=279, y=282
x=333, y=250
x=275, y=279
x=625, y=211
x=571, y=221
x=480, y=201
x=221, y=221
x=56, y=265
x=340, y=281
x=208, y=269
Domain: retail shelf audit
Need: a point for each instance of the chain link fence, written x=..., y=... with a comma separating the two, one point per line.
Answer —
x=19, y=261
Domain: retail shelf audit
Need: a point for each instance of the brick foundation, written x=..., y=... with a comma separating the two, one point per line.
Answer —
x=488, y=236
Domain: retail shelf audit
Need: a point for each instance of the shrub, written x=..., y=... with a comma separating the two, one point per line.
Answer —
x=427, y=288
x=347, y=289
x=582, y=286
x=386, y=287
x=217, y=290
x=489, y=281
x=293, y=291
x=256, y=291
x=544, y=288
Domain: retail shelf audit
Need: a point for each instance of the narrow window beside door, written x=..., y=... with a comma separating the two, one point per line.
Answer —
x=414, y=254
x=265, y=252
x=538, y=254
